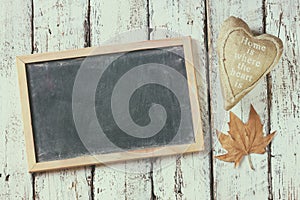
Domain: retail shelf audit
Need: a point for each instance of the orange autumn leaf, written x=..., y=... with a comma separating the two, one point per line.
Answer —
x=243, y=139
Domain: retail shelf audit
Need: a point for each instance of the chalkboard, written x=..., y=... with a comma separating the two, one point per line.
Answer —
x=108, y=104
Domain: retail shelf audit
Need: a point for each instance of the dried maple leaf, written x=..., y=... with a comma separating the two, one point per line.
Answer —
x=243, y=139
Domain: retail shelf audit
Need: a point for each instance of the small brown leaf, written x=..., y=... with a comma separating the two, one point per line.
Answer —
x=243, y=139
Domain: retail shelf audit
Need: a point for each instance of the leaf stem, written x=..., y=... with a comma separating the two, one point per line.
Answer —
x=250, y=162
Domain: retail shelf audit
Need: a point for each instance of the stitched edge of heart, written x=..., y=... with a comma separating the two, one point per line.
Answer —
x=231, y=25
x=259, y=38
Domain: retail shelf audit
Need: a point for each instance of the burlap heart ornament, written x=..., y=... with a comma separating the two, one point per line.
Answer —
x=244, y=59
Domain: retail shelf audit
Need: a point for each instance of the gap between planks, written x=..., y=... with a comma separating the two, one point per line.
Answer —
x=206, y=42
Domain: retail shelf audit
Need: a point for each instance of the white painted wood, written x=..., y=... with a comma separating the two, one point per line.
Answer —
x=15, y=181
x=59, y=25
x=109, y=182
x=188, y=176
x=240, y=183
x=283, y=20
x=115, y=22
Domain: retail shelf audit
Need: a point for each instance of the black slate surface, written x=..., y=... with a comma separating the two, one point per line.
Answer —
x=54, y=97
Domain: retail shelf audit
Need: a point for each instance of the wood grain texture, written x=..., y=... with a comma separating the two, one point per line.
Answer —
x=65, y=24
x=114, y=22
x=240, y=183
x=283, y=20
x=59, y=25
x=15, y=182
x=117, y=21
x=188, y=176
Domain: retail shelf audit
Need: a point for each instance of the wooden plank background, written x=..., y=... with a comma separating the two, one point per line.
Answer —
x=31, y=26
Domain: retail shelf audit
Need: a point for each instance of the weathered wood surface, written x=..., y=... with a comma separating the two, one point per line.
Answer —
x=283, y=19
x=15, y=182
x=241, y=183
x=65, y=24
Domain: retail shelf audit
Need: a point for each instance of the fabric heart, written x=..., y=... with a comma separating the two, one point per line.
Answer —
x=244, y=59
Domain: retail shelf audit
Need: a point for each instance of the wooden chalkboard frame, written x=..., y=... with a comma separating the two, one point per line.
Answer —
x=34, y=166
